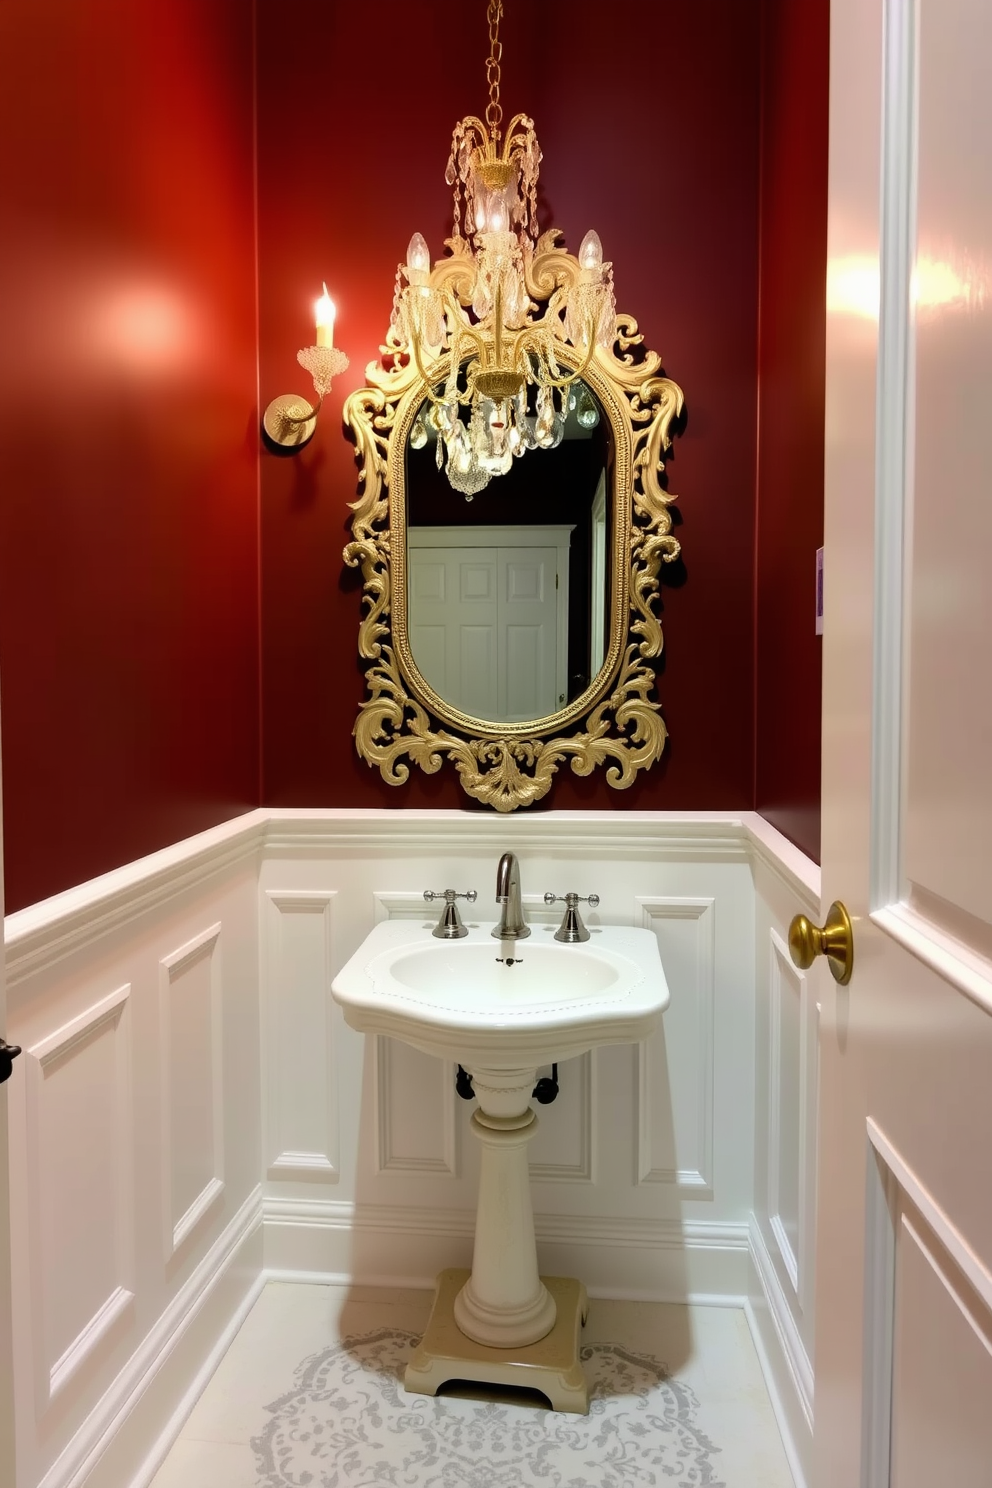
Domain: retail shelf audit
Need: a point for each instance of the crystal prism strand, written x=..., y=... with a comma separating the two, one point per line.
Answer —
x=544, y=418
x=549, y=427
x=465, y=470
x=518, y=417
x=429, y=318
x=494, y=452
x=482, y=299
x=449, y=425
x=587, y=414
x=397, y=318
x=516, y=300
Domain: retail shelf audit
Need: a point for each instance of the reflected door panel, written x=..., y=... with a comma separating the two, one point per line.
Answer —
x=453, y=619
x=528, y=634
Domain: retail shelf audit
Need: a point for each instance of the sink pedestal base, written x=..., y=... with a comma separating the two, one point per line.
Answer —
x=550, y=1365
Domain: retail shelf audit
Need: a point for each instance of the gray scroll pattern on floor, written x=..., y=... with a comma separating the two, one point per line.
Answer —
x=348, y=1423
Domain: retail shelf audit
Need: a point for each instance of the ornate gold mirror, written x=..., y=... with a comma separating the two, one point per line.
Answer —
x=512, y=518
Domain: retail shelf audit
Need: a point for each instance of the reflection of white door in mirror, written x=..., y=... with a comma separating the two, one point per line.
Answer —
x=598, y=591
x=488, y=617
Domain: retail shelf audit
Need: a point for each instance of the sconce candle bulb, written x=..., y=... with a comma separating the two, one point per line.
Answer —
x=325, y=313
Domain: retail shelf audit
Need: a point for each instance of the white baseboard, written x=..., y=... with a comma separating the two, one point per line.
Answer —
x=625, y=1259
x=784, y=1361
x=155, y=1392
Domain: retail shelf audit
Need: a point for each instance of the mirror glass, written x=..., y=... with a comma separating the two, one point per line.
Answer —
x=508, y=591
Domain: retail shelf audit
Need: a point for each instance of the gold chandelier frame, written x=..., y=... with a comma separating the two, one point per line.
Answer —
x=616, y=721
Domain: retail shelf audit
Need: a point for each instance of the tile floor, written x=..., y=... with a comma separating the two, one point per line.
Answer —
x=708, y=1348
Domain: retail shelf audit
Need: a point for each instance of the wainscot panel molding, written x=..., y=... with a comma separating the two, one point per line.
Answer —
x=300, y=1100
x=78, y=1119
x=191, y=1071
x=689, y=967
x=783, y=1221
x=178, y=1024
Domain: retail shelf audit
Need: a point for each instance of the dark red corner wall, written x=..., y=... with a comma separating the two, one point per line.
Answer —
x=791, y=348
x=128, y=444
x=648, y=116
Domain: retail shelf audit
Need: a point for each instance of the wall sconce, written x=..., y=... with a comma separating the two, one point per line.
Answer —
x=289, y=421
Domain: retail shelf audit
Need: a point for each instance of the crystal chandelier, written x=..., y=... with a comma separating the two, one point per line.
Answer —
x=499, y=374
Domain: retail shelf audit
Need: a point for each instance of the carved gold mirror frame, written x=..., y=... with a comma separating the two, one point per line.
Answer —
x=616, y=720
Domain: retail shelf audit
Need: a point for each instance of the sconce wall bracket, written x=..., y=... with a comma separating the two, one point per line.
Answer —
x=289, y=421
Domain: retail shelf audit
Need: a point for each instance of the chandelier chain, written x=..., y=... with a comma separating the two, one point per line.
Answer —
x=494, y=113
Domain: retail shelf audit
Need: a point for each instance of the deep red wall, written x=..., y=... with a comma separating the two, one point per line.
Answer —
x=648, y=119
x=128, y=444
x=795, y=95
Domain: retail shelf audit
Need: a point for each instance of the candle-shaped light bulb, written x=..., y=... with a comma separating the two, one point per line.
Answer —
x=418, y=255
x=591, y=251
x=499, y=215
x=325, y=313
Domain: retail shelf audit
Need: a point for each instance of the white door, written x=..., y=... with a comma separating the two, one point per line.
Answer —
x=903, y=1358
x=6, y=1343
x=488, y=617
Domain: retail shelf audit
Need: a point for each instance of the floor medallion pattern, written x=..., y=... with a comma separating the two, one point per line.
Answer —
x=348, y=1423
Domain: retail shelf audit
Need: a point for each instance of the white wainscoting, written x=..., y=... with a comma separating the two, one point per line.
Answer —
x=193, y=1114
x=135, y=1160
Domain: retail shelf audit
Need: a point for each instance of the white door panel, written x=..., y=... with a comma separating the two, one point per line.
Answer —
x=528, y=677
x=942, y=1367
x=476, y=676
x=948, y=806
x=903, y=1369
x=452, y=621
x=528, y=633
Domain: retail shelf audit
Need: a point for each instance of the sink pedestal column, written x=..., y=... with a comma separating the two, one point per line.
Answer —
x=502, y=1324
x=504, y=1302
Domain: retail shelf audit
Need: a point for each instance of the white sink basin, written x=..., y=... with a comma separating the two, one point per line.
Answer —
x=542, y=1001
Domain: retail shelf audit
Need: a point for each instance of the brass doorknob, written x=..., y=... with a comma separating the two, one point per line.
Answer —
x=835, y=941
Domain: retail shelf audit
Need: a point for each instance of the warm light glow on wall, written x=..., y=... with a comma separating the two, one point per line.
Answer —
x=144, y=328
x=852, y=286
x=957, y=282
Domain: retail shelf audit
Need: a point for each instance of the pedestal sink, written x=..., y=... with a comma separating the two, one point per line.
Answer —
x=502, y=1010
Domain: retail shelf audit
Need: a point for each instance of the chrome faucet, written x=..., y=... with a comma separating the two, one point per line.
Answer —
x=511, y=916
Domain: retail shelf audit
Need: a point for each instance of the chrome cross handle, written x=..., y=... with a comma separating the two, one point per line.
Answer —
x=449, y=926
x=571, y=930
